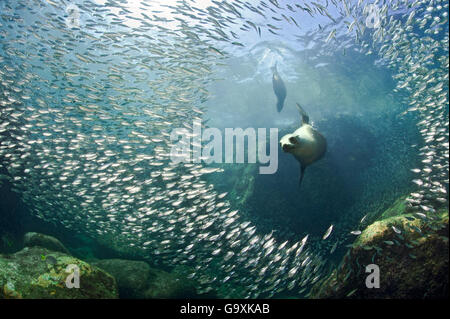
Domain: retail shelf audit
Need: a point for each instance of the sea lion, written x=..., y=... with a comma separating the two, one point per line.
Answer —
x=306, y=144
x=279, y=88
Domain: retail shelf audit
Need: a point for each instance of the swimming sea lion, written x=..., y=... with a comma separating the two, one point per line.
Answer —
x=279, y=88
x=306, y=144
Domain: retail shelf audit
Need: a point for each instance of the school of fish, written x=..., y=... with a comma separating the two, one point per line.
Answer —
x=90, y=93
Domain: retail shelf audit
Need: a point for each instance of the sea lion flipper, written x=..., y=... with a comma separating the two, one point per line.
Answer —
x=305, y=117
x=302, y=172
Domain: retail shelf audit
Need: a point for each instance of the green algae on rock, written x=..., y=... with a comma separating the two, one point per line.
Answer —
x=399, y=207
x=411, y=253
x=40, y=273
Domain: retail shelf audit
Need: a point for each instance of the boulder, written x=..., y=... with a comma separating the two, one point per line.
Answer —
x=137, y=280
x=132, y=276
x=411, y=253
x=36, y=239
x=40, y=273
x=165, y=285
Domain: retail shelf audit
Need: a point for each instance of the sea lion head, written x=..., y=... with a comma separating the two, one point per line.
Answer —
x=290, y=143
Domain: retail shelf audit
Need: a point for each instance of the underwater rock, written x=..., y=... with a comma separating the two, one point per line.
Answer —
x=109, y=246
x=132, y=276
x=238, y=182
x=136, y=279
x=164, y=285
x=411, y=253
x=399, y=207
x=36, y=239
x=8, y=243
x=39, y=273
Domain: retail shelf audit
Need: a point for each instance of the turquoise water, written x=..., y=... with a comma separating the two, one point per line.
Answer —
x=91, y=91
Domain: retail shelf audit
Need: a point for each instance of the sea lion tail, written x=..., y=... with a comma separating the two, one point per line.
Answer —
x=302, y=173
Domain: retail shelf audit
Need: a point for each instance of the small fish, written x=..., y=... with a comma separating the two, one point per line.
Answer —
x=418, y=182
x=352, y=292
x=421, y=215
x=331, y=35
x=334, y=247
x=328, y=232
x=417, y=229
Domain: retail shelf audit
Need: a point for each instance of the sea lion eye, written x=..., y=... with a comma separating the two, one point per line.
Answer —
x=293, y=140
